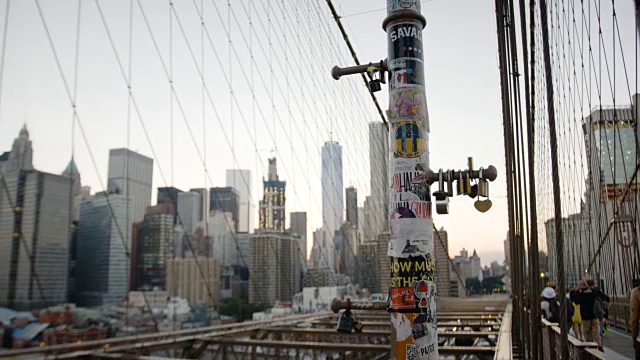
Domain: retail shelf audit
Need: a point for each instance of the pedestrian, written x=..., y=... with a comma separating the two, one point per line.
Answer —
x=549, y=305
x=588, y=297
x=576, y=319
x=635, y=316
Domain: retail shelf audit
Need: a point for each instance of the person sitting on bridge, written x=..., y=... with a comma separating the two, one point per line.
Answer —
x=587, y=296
x=549, y=305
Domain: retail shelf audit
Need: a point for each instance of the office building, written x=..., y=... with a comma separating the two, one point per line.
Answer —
x=611, y=138
x=190, y=212
x=379, y=168
x=225, y=199
x=332, y=198
x=443, y=264
x=351, y=194
x=102, y=250
x=299, y=227
x=194, y=279
x=71, y=172
x=272, y=205
x=240, y=181
x=373, y=255
x=43, y=226
x=222, y=235
x=274, y=267
x=153, y=244
x=21, y=155
x=168, y=195
x=131, y=174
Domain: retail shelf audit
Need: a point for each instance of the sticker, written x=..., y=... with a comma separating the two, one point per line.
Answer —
x=408, y=141
x=408, y=208
x=406, y=72
x=409, y=273
x=396, y=5
x=404, y=40
x=424, y=329
x=409, y=104
x=403, y=298
x=411, y=229
x=419, y=163
x=405, y=248
x=412, y=182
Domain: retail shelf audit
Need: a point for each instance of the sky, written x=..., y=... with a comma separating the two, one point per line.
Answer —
x=284, y=54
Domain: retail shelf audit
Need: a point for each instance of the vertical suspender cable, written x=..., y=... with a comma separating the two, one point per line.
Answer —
x=557, y=202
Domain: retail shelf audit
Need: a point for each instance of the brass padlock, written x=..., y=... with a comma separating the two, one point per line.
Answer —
x=345, y=322
x=357, y=326
x=483, y=185
x=450, y=183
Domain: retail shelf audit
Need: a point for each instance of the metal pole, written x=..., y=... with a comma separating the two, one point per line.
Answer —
x=411, y=243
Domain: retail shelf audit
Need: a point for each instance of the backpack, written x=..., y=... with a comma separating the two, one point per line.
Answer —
x=598, y=310
x=570, y=310
x=554, y=309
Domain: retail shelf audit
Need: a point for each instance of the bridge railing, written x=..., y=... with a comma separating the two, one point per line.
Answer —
x=551, y=342
x=619, y=312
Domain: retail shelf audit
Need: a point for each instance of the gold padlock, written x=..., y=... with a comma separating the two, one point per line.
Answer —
x=483, y=185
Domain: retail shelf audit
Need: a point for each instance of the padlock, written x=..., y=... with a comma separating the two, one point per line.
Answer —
x=450, y=183
x=345, y=322
x=357, y=326
x=460, y=184
x=374, y=85
x=483, y=185
x=442, y=200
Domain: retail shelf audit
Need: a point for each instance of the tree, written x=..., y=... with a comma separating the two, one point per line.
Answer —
x=473, y=285
x=240, y=309
x=492, y=282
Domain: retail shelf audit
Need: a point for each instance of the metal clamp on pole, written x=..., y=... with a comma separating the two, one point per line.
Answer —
x=338, y=72
x=337, y=305
x=371, y=69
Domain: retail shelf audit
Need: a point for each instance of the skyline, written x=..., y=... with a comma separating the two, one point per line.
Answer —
x=239, y=133
x=490, y=255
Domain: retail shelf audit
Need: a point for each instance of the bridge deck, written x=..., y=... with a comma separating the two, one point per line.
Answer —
x=467, y=326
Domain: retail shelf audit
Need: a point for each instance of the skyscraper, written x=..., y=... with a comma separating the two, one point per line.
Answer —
x=190, y=211
x=43, y=226
x=332, y=198
x=154, y=245
x=611, y=137
x=102, y=250
x=71, y=172
x=131, y=174
x=21, y=155
x=36, y=218
x=225, y=199
x=168, y=195
x=352, y=206
x=379, y=162
x=272, y=205
x=274, y=267
x=221, y=231
x=443, y=265
x=240, y=181
x=299, y=226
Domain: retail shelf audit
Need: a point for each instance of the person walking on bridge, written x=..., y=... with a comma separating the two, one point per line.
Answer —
x=590, y=300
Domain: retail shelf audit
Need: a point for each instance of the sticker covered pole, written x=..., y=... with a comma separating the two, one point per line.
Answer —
x=412, y=288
